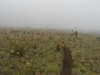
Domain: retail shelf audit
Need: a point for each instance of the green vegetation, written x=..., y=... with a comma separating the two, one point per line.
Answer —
x=39, y=52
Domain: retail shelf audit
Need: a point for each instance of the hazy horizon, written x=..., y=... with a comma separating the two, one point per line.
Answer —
x=59, y=14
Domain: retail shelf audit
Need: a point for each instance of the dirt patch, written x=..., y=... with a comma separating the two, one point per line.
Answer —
x=67, y=62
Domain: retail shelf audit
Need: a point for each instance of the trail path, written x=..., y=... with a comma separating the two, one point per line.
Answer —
x=67, y=62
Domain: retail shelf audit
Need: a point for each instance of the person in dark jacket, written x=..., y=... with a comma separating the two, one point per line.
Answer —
x=76, y=33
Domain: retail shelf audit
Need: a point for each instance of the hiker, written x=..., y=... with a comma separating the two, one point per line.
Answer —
x=72, y=33
x=76, y=33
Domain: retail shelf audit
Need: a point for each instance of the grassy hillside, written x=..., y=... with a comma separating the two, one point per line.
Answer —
x=39, y=52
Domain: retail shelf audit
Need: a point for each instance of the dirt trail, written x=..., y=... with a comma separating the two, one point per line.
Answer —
x=67, y=62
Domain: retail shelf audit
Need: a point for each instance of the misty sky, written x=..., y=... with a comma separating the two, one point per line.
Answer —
x=78, y=14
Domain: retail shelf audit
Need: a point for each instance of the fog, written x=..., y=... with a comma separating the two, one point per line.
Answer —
x=59, y=14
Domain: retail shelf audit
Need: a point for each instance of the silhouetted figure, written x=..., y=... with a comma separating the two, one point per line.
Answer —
x=76, y=33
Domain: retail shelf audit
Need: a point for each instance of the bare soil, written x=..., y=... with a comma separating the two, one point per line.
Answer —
x=67, y=62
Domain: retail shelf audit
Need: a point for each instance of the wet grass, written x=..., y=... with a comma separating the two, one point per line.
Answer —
x=39, y=52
